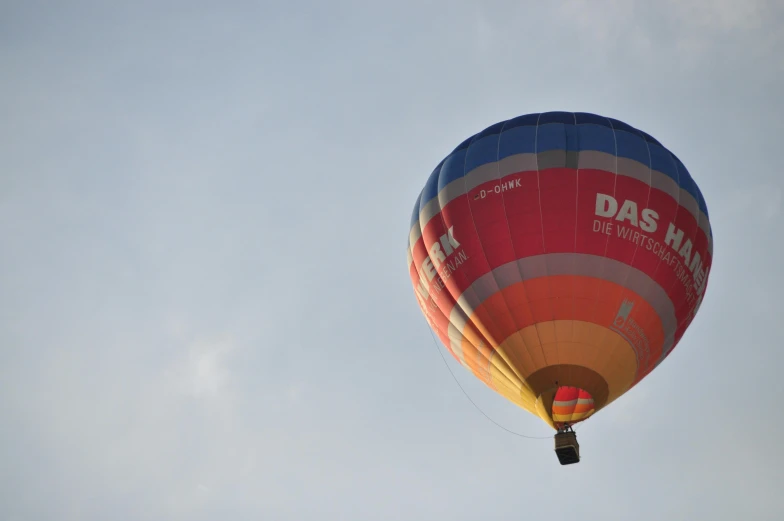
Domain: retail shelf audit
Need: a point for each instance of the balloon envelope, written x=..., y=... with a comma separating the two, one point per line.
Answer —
x=560, y=257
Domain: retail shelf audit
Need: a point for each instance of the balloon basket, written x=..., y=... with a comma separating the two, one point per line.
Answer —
x=566, y=447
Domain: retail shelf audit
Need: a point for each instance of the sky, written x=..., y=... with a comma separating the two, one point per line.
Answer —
x=205, y=307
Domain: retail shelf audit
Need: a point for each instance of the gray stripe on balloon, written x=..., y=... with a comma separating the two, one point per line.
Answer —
x=579, y=264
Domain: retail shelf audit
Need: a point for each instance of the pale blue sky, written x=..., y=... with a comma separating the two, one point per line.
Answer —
x=205, y=308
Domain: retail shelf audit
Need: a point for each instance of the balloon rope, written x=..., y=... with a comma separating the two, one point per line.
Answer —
x=435, y=344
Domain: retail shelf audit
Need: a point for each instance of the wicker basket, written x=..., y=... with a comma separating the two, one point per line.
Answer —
x=566, y=447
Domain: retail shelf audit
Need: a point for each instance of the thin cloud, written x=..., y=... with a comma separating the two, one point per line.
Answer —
x=204, y=371
x=692, y=27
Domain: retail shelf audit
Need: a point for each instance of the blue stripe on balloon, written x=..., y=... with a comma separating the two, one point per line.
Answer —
x=571, y=131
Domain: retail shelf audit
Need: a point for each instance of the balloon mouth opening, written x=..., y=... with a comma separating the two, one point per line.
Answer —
x=571, y=405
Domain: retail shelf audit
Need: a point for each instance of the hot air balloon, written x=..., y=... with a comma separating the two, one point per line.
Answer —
x=560, y=257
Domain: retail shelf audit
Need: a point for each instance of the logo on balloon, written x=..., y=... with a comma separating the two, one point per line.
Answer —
x=632, y=332
x=623, y=313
